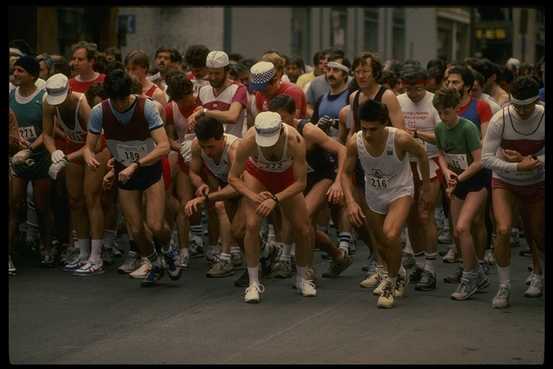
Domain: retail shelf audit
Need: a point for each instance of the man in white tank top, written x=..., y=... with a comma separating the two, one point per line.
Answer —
x=273, y=156
x=213, y=153
x=224, y=99
x=384, y=156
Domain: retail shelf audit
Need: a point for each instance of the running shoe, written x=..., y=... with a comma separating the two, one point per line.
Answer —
x=196, y=247
x=131, y=263
x=89, y=269
x=183, y=260
x=74, y=264
x=307, y=288
x=408, y=260
x=143, y=269
x=386, y=298
x=454, y=277
x=154, y=275
x=173, y=269
x=402, y=281
x=451, y=256
x=336, y=267
x=467, y=287
x=253, y=293
x=529, y=278
x=416, y=274
x=281, y=269
x=236, y=259
x=427, y=281
x=378, y=289
x=502, y=299
x=372, y=280
x=47, y=260
x=489, y=257
x=11, y=266
x=220, y=269
x=536, y=286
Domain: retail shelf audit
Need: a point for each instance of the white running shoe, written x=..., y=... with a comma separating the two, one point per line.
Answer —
x=451, y=256
x=142, y=270
x=253, y=293
x=502, y=299
x=536, y=286
x=307, y=288
x=89, y=269
x=131, y=263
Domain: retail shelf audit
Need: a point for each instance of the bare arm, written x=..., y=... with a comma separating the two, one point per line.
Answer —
x=409, y=145
x=394, y=109
x=473, y=168
x=342, y=128
x=229, y=116
x=48, y=113
x=348, y=177
x=196, y=166
x=243, y=152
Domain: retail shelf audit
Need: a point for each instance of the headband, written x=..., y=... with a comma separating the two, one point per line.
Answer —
x=527, y=101
x=336, y=65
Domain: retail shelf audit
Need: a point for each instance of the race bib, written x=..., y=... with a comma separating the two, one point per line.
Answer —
x=457, y=161
x=378, y=183
x=28, y=133
x=127, y=154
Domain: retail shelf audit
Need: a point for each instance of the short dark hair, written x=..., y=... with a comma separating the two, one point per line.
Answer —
x=318, y=56
x=235, y=57
x=115, y=51
x=207, y=127
x=436, y=73
x=174, y=54
x=446, y=98
x=374, y=111
x=388, y=77
x=95, y=90
x=297, y=61
x=524, y=87
x=178, y=85
x=196, y=55
x=436, y=63
x=465, y=73
x=412, y=73
x=118, y=84
x=376, y=65
x=282, y=102
x=138, y=57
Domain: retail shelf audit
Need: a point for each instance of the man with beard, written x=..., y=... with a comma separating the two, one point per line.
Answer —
x=224, y=100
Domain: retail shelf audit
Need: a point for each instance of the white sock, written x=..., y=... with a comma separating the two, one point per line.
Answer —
x=293, y=250
x=109, y=236
x=235, y=250
x=84, y=248
x=224, y=256
x=504, y=275
x=253, y=273
x=96, y=252
x=196, y=230
x=429, y=261
x=345, y=240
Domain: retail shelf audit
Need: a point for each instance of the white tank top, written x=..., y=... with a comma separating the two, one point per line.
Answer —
x=384, y=174
x=221, y=169
x=279, y=166
x=76, y=134
x=181, y=124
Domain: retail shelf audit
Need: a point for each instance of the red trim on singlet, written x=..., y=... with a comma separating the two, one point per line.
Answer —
x=274, y=182
x=150, y=92
x=527, y=194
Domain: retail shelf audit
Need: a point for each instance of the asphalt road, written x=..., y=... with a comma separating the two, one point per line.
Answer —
x=55, y=318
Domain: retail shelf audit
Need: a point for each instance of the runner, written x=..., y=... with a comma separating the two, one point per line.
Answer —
x=420, y=119
x=273, y=156
x=213, y=153
x=32, y=162
x=82, y=63
x=458, y=142
x=136, y=138
x=138, y=64
x=323, y=184
x=384, y=155
x=514, y=149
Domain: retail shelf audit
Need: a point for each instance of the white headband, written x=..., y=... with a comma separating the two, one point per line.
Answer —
x=337, y=66
x=528, y=101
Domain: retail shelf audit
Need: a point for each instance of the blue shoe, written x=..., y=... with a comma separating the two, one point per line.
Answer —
x=173, y=269
x=154, y=275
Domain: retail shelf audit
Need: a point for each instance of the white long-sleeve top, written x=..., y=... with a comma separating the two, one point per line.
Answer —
x=508, y=131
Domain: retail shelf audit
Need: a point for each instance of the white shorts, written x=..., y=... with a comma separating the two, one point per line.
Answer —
x=381, y=203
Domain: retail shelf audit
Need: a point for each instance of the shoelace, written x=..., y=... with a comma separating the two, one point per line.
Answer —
x=259, y=287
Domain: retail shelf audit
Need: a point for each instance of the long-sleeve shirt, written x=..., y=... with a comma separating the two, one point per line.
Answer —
x=508, y=131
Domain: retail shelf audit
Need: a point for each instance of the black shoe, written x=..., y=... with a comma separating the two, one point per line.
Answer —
x=455, y=277
x=416, y=275
x=243, y=280
x=427, y=281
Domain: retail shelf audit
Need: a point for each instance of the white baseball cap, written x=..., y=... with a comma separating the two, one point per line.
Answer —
x=260, y=74
x=217, y=59
x=57, y=87
x=267, y=128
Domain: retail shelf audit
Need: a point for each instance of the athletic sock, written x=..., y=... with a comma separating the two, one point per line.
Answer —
x=84, y=248
x=196, y=230
x=224, y=257
x=253, y=274
x=345, y=240
x=504, y=274
x=96, y=252
x=429, y=258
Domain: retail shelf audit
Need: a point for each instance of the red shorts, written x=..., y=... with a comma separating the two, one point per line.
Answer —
x=68, y=146
x=274, y=182
x=526, y=194
x=166, y=171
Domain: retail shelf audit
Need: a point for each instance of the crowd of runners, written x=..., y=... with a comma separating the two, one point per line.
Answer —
x=253, y=164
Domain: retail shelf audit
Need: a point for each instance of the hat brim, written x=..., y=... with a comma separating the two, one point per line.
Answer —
x=258, y=86
x=267, y=140
x=56, y=99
